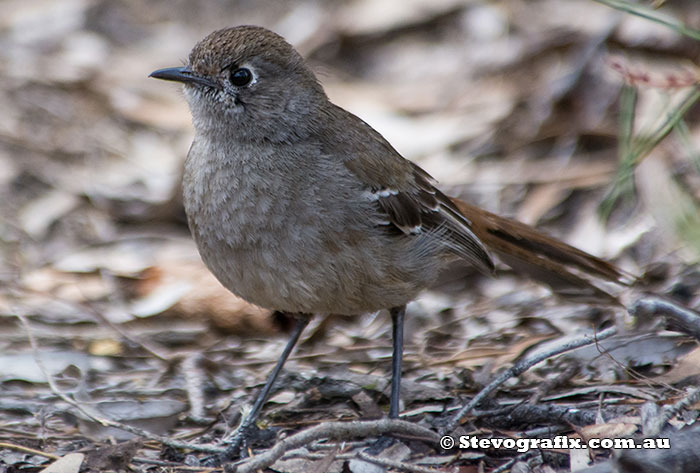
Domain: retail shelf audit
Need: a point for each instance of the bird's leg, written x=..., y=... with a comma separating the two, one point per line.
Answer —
x=397, y=315
x=239, y=437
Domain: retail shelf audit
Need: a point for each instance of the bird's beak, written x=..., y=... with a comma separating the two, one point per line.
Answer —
x=184, y=75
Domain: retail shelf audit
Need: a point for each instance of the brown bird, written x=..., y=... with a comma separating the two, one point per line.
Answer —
x=299, y=206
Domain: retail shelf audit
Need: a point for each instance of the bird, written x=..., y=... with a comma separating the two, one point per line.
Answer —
x=299, y=206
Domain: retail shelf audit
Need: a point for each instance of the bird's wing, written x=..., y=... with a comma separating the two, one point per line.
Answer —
x=406, y=194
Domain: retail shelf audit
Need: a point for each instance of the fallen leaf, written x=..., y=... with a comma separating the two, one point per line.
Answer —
x=69, y=463
x=609, y=430
x=687, y=366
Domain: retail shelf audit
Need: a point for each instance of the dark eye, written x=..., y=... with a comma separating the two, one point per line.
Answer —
x=241, y=77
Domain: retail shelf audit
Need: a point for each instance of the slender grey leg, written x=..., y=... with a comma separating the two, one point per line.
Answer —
x=397, y=315
x=239, y=437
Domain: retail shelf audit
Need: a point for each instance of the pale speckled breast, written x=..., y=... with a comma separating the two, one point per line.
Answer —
x=296, y=243
x=240, y=238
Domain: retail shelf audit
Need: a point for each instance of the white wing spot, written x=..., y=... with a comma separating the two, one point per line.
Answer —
x=376, y=195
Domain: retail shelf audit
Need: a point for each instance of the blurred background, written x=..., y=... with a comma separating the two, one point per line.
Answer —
x=544, y=111
x=569, y=115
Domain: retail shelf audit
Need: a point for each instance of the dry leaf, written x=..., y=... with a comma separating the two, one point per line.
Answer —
x=69, y=463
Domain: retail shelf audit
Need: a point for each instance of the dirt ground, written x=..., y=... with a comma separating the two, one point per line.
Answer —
x=569, y=115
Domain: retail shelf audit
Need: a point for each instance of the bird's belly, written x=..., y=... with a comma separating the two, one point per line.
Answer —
x=264, y=276
x=278, y=273
x=300, y=257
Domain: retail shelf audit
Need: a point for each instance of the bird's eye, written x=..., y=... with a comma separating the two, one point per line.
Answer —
x=241, y=77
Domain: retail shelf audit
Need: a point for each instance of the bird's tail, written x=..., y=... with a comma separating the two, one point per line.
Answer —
x=570, y=272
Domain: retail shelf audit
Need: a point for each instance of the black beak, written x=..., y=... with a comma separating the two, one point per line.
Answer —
x=184, y=75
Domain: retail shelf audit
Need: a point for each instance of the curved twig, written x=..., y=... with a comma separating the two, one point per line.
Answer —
x=335, y=430
x=522, y=366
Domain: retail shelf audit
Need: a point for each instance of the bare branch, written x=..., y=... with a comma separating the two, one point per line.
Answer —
x=522, y=366
x=338, y=431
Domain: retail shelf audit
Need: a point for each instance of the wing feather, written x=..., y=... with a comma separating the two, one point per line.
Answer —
x=404, y=194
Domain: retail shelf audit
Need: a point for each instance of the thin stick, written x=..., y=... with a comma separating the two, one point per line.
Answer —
x=681, y=318
x=398, y=465
x=522, y=366
x=507, y=466
x=22, y=448
x=175, y=466
x=338, y=431
x=690, y=399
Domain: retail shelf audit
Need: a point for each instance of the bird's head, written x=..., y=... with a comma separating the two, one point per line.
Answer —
x=249, y=83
